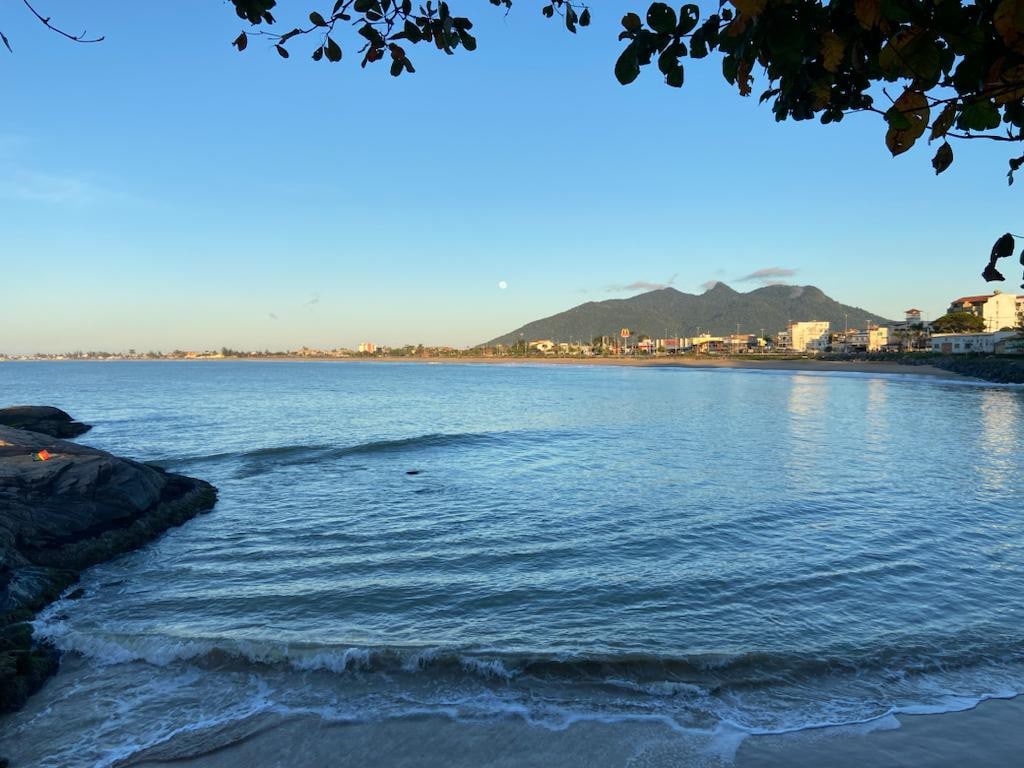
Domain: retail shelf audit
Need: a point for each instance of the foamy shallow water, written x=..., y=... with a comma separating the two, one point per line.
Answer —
x=708, y=553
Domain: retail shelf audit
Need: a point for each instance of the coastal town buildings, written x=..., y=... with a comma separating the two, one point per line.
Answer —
x=910, y=335
x=1002, y=313
x=998, y=310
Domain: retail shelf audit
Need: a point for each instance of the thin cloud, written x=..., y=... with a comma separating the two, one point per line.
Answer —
x=272, y=316
x=709, y=284
x=313, y=301
x=767, y=276
x=642, y=285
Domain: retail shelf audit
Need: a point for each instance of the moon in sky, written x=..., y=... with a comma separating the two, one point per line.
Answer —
x=503, y=285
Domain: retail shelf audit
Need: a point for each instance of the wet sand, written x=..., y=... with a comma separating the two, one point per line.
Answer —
x=753, y=363
x=992, y=734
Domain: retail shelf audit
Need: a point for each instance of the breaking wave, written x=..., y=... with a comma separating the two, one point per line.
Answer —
x=648, y=673
x=261, y=459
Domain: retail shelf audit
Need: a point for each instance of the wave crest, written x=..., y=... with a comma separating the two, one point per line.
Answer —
x=260, y=460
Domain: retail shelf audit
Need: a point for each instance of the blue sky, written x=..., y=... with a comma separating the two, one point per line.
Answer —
x=160, y=190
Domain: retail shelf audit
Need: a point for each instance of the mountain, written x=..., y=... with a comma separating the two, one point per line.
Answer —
x=719, y=310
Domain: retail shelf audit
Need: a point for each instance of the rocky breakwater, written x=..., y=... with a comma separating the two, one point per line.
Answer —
x=42, y=418
x=59, y=516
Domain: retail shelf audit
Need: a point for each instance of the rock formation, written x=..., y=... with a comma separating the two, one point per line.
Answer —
x=58, y=517
x=44, y=419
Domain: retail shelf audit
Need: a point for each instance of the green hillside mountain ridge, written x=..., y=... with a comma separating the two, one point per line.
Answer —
x=668, y=313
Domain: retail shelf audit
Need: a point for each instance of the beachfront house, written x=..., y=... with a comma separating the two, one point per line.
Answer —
x=872, y=339
x=704, y=343
x=977, y=343
x=998, y=310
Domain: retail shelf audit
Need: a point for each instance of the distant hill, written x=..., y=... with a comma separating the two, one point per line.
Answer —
x=719, y=310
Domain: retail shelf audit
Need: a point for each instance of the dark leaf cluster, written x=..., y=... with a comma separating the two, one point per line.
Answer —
x=384, y=28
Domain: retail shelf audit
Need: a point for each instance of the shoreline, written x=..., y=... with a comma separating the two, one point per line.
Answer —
x=797, y=365
x=985, y=734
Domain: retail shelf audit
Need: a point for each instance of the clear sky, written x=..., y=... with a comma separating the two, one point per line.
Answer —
x=160, y=190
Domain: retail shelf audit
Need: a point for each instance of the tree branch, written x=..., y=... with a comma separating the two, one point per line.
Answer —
x=46, y=22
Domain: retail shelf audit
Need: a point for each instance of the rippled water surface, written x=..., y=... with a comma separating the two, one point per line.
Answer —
x=705, y=548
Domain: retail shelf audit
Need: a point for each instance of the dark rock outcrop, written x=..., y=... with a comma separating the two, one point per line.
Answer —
x=1002, y=370
x=58, y=517
x=44, y=419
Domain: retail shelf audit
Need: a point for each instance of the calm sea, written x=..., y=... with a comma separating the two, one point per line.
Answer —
x=709, y=550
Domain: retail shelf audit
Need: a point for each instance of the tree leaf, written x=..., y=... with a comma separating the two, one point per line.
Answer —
x=661, y=18
x=979, y=115
x=943, y=122
x=241, y=41
x=991, y=274
x=868, y=12
x=832, y=50
x=627, y=68
x=570, y=19
x=1008, y=87
x=282, y=51
x=7, y=43
x=333, y=50
x=943, y=158
x=1015, y=164
x=911, y=52
x=1002, y=248
x=907, y=119
x=1009, y=21
x=317, y=19
x=750, y=8
x=631, y=22
x=689, y=15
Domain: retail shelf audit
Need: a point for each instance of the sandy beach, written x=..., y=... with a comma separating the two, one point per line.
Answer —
x=752, y=363
x=991, y=734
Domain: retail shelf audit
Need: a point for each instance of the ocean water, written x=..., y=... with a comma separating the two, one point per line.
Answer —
x=713, y=553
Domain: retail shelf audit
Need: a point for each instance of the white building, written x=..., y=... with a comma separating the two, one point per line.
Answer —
x=964, y=343
x=998, y=310
x=806, y=336
x=913, y=317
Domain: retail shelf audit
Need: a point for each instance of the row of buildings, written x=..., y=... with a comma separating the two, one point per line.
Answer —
x=1001, y=316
